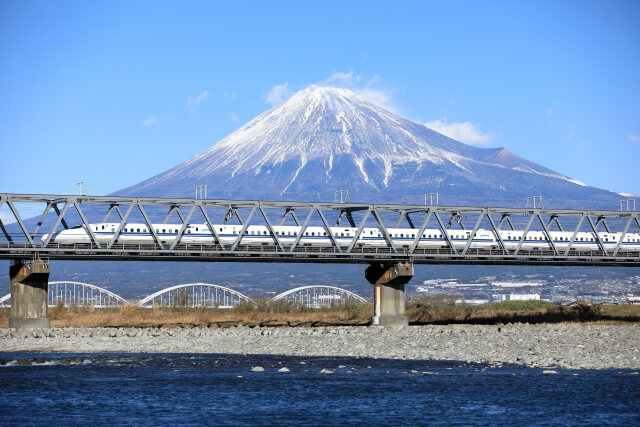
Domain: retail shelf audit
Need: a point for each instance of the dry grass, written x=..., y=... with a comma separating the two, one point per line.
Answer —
x=440, y=310
x=133, y=316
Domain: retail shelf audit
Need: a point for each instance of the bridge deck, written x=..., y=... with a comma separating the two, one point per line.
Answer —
x=24, y=239
x=272, y=253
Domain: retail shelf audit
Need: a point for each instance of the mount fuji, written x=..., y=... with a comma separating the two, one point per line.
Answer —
x=325, y=139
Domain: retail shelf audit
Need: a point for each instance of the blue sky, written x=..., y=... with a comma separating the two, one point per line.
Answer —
x=115, y=92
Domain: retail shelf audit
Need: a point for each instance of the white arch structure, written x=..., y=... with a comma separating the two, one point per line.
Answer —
x=82, y=294
x=196, y=295
x=318, y=296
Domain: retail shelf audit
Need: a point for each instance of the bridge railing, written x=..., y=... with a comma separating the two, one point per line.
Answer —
x=456, y=226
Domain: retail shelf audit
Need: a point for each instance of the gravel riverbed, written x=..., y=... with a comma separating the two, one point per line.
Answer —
x=566, y=345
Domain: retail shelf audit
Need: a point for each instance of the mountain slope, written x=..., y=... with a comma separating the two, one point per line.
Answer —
x=324, y=139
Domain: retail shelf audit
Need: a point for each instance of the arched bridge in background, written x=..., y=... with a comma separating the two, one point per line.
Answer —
x=318, y=296
x=77, y=293
x=196, y=295
x=189, y=295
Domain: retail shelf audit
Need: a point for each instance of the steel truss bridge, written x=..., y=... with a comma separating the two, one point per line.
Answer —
x=204, y=295
x=26, y=239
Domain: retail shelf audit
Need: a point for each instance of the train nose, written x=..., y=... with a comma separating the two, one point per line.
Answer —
x=44, y=237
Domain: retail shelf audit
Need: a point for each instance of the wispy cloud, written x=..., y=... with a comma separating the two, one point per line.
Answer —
x=465, y=132
x=234, y=117
x=278, y=94
x=229, y=96
x=634, y=138
x=193, y=104
x=370, y=89
x=340, y=77
x=149, y=122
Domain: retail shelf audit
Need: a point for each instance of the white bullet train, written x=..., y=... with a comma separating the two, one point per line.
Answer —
x=317, y=236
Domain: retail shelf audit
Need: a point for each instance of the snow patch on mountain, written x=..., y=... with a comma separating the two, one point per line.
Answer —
x=322, y=139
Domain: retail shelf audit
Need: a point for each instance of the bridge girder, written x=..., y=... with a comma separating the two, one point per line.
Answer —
x=22, y=239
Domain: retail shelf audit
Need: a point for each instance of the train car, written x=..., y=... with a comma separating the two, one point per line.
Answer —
x=343, y=236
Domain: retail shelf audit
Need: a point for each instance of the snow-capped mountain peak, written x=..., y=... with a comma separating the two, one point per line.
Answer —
x=326, y=138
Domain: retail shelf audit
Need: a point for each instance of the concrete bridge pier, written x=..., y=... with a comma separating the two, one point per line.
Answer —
x=389, y=298
x=29, y=295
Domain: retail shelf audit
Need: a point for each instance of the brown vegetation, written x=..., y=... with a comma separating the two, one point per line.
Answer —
x=425, y=310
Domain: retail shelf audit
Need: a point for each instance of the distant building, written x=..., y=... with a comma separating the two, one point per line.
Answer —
x=634, y=300
x=516, y=297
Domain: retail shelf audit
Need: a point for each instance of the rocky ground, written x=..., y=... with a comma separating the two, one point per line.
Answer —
x=566, y=345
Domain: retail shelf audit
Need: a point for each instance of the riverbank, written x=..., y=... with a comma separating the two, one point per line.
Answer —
x=421, y=311
x=564, y=345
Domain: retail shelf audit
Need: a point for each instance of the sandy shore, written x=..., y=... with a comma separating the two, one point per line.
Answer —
x=567, y=345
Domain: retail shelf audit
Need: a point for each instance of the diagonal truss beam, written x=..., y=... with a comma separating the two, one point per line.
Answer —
x=334, y=242
x=273, y=233
x=595, y=233
x=302, y=230
x=445, y=233
x=212, y=229
x=383, y=229
x=16, y=215
x=423, y=226
x=524, y=234
x=57, y=222
x=473, y=233
x=552, y=245
x=123, y=221
x=86, y=224
x=574, y=235
x=243, y=230
x=359, y=231
x=183, y=228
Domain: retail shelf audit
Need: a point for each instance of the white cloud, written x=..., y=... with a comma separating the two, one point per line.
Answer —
x=370, y=90
x=149, y=122
x=278, y=95
x=634, y=138
x=549, y=112
x=340, y=77
x=194, y=103
x=465, y=132
x=234, y=117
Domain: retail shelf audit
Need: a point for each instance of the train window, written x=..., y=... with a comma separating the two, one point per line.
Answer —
x=264, y=232
x=164, y=230
x=220, y=229
x=138, y=230
x=401, y=234
x=313, y=233
x=125, y=230
x=103, y=227
x=196, y=228
x=306, y=233
x=188, y=231
x=144, y=230
x=342, y=234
